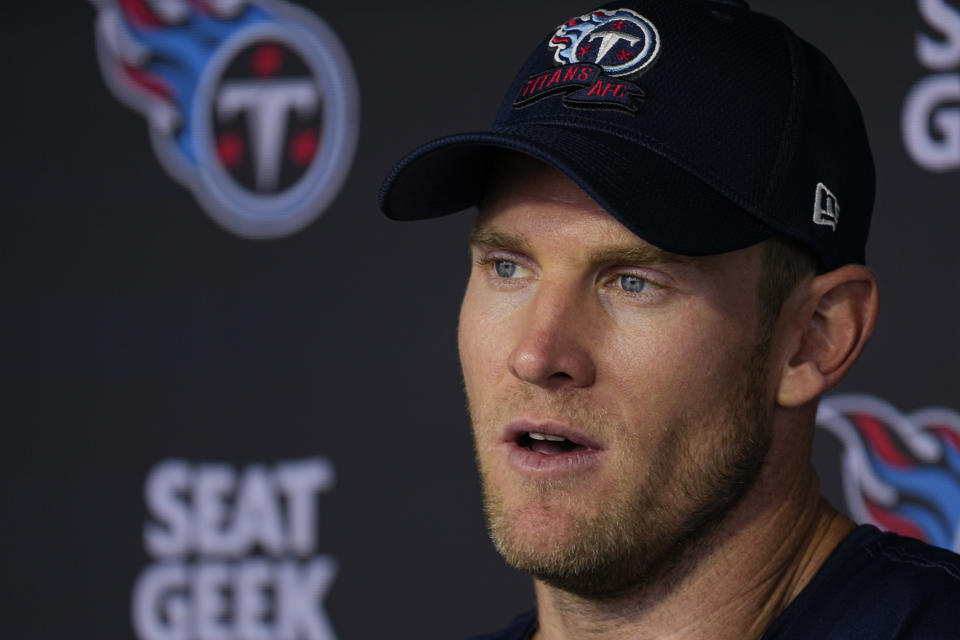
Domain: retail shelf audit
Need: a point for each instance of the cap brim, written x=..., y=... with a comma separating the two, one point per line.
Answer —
x=660, y=202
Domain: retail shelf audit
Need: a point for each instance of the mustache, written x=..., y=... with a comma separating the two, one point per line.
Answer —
x=569, y=406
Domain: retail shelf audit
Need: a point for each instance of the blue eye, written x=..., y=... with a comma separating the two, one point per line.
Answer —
x=505, y=268
x=632, y=284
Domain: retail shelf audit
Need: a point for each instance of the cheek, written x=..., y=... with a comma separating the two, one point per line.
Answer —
x=479, y=340
x=680, y=363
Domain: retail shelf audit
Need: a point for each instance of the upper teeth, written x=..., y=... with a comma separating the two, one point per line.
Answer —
x=546, y=436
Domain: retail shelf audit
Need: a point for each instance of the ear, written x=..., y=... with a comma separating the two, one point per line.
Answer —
x=833, y=316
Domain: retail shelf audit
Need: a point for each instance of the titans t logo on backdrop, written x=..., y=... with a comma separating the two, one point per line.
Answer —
x=251, y=104
x=900, y=472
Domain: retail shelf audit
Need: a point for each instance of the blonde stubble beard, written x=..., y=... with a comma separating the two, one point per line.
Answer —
x=703, y=467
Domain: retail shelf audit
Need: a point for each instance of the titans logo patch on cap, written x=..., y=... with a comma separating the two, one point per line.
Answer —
x=621, y=42
x=596, y=53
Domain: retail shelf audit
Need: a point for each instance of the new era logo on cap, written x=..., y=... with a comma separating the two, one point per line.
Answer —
x=826, y=209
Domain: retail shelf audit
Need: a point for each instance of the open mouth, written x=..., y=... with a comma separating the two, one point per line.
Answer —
x=548, y=444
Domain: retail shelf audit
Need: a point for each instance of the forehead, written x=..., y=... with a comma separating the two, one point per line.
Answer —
x=528, y=200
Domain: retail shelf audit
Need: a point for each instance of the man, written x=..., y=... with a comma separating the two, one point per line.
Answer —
x=667, y=276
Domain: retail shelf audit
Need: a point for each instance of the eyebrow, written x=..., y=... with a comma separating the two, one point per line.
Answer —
x=631, y=254
x=639, y=255
x=493, y=239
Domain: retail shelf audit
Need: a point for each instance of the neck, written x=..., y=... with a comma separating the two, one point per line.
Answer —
x=732, y=583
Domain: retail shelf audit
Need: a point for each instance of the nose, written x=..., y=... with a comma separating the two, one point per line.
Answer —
x=552, y=350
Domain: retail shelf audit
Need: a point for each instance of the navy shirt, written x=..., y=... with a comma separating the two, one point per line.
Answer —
x=874, y=586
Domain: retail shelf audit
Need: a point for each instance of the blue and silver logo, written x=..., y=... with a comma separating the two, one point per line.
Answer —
x=251, y=104
x=901, y=472
x=621, y=42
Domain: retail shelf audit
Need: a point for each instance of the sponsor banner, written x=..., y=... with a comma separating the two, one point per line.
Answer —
x=234, y=553
x=931, y=111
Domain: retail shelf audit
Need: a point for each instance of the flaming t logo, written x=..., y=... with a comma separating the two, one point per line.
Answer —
x=621, y=41
x=900, y=472
x=251, y=104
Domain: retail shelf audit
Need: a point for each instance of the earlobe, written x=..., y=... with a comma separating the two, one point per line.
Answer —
x=837, y=313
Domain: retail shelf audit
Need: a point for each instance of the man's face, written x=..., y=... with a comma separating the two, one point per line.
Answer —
x=616, y=391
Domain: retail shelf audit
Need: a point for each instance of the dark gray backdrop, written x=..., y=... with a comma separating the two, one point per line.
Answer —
x=136, y=330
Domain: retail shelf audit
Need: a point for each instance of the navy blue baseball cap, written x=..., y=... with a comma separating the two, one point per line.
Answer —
x=701, y=125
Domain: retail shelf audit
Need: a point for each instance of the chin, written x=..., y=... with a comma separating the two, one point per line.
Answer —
x=591, y=564
x=564, y=543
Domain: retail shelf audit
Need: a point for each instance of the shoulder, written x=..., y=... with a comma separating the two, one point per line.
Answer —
x=877, y=585
x=522, y=628
x=916, y=558
x=923, y=582
x=917, y=574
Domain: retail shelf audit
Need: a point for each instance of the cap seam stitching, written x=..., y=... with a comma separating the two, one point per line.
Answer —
x=789, y=127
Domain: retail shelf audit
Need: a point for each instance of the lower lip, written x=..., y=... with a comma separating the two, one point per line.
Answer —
x=541, y=464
